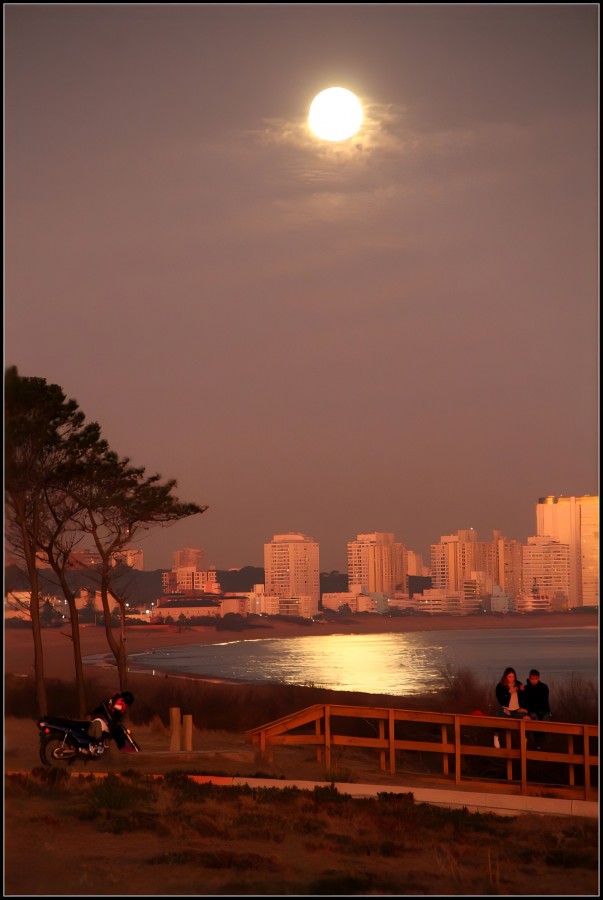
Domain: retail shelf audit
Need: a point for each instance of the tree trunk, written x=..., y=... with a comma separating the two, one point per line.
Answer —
x=118, y=648
x=75, y=639
x=34, y=607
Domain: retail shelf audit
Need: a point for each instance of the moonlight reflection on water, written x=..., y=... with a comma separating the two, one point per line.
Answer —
x=387, y=663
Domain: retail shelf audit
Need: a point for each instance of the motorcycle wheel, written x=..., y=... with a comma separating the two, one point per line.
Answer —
x=53, y=752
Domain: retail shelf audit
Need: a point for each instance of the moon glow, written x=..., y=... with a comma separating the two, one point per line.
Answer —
x=335, y=114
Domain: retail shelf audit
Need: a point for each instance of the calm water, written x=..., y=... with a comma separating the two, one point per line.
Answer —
x=387, y=663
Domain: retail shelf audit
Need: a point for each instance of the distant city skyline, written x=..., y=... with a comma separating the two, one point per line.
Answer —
x=557, y=567
x=340, y=554
x=397, y=332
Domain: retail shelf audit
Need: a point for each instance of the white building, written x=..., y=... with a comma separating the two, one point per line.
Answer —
x=415, y=565
x=501, y=601
x=546, y=568
x=190, y=557
x=509, y=560
x=438, y=601
x=291, y=566
x=355, y=599
x=87, y=598
x=460, y=557
x=299, y=607
x=187, y=607
x=574, y=521
x=533, y=601
x=235, y=603
x=187, y=578
x=132, y=558
x=377, y=562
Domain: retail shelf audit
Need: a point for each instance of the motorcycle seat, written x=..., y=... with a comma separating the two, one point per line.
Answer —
x=67, y=723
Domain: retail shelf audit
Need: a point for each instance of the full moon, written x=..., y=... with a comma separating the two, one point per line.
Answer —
x=335, y=114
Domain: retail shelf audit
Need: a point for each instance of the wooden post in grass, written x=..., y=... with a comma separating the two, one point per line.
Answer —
x=174, y=728
x=187, y=732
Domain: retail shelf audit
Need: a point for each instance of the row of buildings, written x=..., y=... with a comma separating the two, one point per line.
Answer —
x=556, y=569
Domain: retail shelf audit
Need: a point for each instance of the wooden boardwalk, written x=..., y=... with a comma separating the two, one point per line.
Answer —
x=566, y=765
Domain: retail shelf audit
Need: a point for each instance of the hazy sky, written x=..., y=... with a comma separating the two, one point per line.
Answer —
x=394, y=333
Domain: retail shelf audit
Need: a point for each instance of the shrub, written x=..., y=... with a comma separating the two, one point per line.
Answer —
x=241, y=706
x=113, y=793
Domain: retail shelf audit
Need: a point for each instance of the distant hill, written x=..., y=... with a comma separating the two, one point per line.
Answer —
x=333, y=582
x=139, y=587
x=145, y=587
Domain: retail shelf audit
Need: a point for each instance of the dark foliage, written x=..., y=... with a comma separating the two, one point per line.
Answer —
x=241, y=706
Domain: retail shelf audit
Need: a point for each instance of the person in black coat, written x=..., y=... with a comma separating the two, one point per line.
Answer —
x=536, y=701
x=536, y=697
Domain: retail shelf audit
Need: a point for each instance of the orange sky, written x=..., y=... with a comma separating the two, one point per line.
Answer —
x=395, y=334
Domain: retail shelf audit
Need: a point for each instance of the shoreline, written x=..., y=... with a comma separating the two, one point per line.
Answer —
x=58, y=654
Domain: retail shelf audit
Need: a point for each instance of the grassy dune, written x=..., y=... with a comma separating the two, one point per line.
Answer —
x=237, y=707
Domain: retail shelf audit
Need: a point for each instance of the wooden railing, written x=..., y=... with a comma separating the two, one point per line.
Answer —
x=566, y=761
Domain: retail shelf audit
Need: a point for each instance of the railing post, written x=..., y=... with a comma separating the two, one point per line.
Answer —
x=523, y=740
x=382, y=738
x=318, y=747
x=328, y=737
x=586, y=763
x=392, y=741
x=457, y=751
x=508, y=746
x=572, y=770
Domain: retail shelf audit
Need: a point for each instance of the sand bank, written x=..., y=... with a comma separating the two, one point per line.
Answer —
x=58, y=652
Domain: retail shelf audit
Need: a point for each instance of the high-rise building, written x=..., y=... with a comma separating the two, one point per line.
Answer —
x=190, y=557
x=132, y=558
x=462, y=557
x=291, y=564
x=574, y=521
x=377, y=563
x=415, y=565
x=509, y=562
x=546, y=570
x=186, y=579
x=453, y=560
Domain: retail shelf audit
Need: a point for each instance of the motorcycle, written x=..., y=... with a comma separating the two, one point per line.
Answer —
x=63, y=741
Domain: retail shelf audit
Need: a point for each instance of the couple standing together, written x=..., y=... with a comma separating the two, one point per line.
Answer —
x=522, y=702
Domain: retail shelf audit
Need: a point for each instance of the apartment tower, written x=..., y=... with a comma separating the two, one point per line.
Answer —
x=189, y=558
x=460, y=557
x=574, y=521
x=377, y=563
x=291, y=563
x=546, y=570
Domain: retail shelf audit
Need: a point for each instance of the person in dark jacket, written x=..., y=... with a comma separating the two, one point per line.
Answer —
x=509, y=696
x=536, y=697
x=536, y=701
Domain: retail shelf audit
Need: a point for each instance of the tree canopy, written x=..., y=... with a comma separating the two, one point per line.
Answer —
x=64, y=485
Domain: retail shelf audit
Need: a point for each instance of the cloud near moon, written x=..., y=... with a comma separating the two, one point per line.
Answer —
x=380, y=131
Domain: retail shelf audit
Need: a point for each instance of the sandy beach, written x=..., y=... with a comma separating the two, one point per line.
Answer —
x=58, y=654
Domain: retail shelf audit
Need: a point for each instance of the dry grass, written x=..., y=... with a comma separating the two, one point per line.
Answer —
x=172, y=836
x=239, y=707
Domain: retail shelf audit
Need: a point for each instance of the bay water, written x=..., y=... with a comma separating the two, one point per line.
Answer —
x=398, y=664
